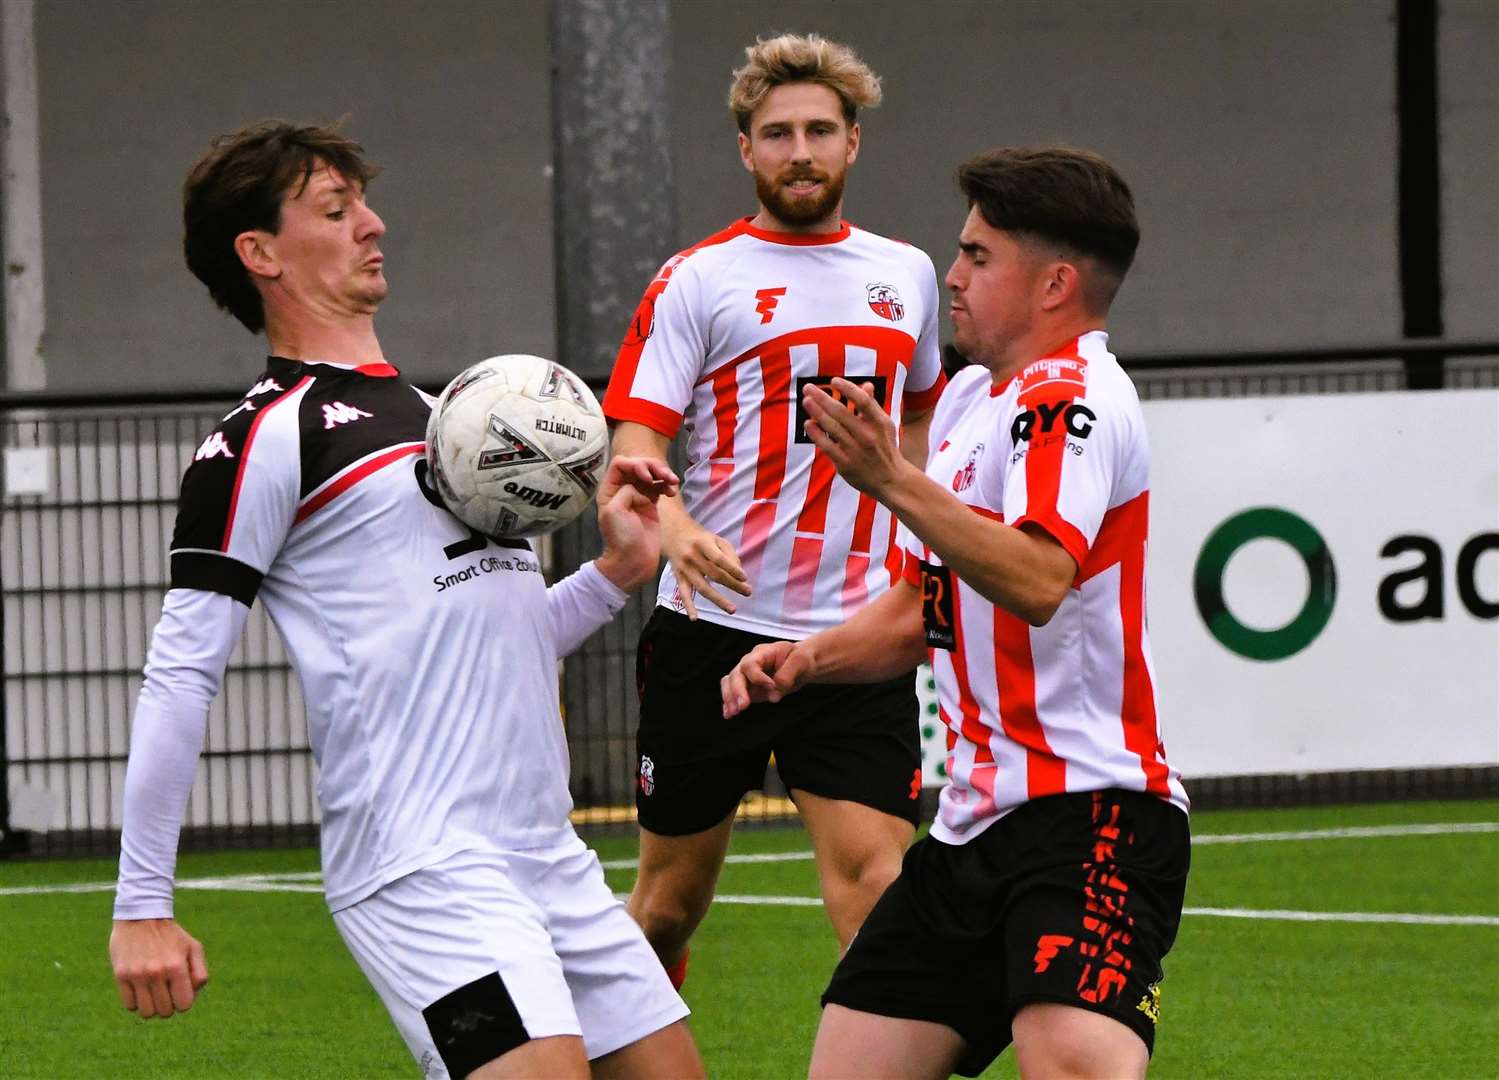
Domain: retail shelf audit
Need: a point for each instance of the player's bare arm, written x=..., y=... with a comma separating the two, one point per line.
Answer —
x=629, y=520
x=158, y=966
x=884, y=640
x=700, y=559
x=1025, y=571
x=914, y=444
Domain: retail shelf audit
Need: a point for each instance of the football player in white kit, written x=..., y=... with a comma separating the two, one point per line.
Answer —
x=427, y=654
x=766, y=542
x=1051, y=885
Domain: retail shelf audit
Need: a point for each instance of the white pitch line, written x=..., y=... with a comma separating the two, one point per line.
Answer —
x=307, y=880
x=1346, y=916
x=1354, y=832
x=1351, y=833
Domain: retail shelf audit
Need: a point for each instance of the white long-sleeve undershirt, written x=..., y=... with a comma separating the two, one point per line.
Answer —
x=185, y=666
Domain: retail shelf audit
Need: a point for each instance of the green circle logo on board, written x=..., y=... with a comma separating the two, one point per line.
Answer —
x=1265, y=522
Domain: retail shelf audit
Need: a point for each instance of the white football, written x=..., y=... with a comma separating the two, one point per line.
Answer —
x=517, y=445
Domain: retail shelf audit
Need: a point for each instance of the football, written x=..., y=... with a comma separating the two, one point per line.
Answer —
x=517, y=445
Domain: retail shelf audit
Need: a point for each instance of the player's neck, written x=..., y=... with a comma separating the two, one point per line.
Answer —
x=768, y=222
x=1042, y=340
x=347, y=341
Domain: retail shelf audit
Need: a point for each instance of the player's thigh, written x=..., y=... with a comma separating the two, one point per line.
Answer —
x=1089, y=923
x=684, y=866
x=669, y=1052
x=1060, y=1040
x=849, y=838
x=618, y=987
x=693, y=766
x=855, y=743
x=927, y=953
x=853, y=1045
x=559, y=1057
x=456, y=941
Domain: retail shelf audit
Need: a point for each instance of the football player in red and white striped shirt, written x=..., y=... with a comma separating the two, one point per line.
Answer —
x=1039, y=908
x=729, y=333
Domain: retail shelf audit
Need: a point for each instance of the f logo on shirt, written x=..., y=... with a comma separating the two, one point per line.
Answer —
x=767, y=301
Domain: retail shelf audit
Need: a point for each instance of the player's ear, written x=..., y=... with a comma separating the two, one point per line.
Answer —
x=255, y=248
x=853, y=144
x=744, y=152
x=1061, y=284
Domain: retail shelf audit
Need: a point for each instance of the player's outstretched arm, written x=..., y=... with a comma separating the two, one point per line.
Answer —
x=700, y=559
x=159, y=967
x=882, y=641
x=629, y=519
x=1025, y=571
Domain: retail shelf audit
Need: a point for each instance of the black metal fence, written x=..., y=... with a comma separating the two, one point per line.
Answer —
x=83, y=569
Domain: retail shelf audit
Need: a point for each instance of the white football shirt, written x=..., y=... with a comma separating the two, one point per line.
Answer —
x=427, y=653
x=1070, y=706
x=728, y=333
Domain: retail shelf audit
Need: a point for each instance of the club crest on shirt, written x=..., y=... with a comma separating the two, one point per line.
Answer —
x=963, y=479
x=884, y=301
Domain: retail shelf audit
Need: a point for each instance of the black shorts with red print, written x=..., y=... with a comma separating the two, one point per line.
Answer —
x=1072, y=899
x=858, y=742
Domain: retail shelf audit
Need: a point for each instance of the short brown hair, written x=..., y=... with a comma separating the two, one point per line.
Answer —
x=238, y=185
x=791, y=58
x=1072, y=199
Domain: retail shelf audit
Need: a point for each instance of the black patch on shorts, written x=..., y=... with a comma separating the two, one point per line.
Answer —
x=475, y=1024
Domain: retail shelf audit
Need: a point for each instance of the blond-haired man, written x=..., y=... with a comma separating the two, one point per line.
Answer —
x=728, y=334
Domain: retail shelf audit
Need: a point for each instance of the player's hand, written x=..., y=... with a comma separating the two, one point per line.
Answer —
x=629, y=520
x=856, y=434
x=158, y=966
x=701, y=560
x=766, y=673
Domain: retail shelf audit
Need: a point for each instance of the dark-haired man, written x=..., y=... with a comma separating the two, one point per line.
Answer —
x=449, y=862
x=1051, y=885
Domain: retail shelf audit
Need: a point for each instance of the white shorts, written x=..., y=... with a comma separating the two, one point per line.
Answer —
x=484, y=950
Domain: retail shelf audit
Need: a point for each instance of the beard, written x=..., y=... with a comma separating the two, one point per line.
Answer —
x=775, y=195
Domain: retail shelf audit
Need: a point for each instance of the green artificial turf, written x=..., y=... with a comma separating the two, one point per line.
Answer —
x=1243, y=997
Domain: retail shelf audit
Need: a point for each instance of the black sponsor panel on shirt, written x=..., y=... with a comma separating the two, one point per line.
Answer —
x=347, y=416
x=881, y=394
x=937, y=613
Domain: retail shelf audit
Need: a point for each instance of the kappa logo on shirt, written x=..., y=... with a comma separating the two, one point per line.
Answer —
x=339, y=413
x=264, y=386
x=768, y=299
x=213, y=446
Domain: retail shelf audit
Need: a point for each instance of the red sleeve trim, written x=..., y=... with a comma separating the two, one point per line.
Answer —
x=1071, y=539
x=658, y=418
x=922, y=400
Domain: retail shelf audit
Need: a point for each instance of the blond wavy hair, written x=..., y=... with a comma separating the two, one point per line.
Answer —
x=792, y=58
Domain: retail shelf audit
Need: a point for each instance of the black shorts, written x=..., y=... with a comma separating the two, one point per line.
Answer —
x=1071, y=899
x=858, y=742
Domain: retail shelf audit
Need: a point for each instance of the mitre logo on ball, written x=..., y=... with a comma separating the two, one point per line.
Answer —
x=519, y=444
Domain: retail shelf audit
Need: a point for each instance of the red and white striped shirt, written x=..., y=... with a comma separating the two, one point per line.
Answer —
x=728, y=333
x=1069, y=706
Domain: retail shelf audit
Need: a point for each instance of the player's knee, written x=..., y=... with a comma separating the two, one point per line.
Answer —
x=666, y=918
x=1061, y=1043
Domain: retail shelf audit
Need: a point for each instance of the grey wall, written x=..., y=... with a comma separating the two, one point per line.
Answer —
x=1259, y=136
x=451, y=97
